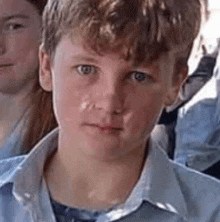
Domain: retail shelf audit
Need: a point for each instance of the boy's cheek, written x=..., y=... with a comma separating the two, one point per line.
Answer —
x=142, y=118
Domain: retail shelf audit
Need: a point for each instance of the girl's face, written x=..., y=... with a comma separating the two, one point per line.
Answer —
x=105, y=106
x=20, y=32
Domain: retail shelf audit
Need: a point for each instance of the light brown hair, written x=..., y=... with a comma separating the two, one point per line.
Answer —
x=146, y=28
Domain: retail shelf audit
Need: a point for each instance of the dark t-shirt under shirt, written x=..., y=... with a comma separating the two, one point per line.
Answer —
x=68, y=214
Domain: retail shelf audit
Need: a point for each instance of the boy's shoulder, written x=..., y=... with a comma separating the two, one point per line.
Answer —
x=201, y=192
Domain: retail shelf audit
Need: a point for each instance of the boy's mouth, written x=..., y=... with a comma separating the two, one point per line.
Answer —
x=5, y=65
x=105, y=129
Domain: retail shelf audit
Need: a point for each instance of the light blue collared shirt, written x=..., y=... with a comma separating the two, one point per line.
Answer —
x=165, y=191
x=198, y=127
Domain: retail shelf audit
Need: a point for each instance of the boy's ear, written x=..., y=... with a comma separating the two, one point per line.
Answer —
x=177, y=82
x=45, y=76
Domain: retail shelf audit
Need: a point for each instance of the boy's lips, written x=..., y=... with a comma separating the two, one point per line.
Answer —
x=105, y=128
x=2, y=66
x=4, y=62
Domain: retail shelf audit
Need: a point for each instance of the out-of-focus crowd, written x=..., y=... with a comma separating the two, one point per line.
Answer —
x=189, y=129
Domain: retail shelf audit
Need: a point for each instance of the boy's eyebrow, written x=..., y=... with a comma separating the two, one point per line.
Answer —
x=22, y=16
x=84, y=58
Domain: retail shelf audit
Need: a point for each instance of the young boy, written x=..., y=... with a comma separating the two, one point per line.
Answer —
x=112, y=66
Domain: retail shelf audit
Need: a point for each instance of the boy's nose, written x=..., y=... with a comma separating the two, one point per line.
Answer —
x=109, y=104
x=110, y=101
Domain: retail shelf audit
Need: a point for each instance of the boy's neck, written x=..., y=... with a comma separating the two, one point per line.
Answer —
x=81, y=182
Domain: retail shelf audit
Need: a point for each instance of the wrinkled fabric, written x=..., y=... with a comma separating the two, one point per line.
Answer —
x=165, y=191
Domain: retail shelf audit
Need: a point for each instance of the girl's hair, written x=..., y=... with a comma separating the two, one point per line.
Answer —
x=41, y=117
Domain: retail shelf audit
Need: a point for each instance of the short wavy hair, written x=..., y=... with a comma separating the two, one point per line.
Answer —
x=145, y=28
x=38, y=4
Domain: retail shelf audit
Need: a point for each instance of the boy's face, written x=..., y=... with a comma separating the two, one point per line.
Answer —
x=20, y=33
x=104, y=104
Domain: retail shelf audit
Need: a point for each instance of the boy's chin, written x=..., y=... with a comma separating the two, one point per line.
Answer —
x=102, y=150
x=108, y=150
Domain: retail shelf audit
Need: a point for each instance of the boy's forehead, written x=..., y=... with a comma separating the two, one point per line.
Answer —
x=121, y=48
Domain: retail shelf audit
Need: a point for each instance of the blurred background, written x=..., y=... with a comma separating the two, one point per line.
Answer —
x=209, y=34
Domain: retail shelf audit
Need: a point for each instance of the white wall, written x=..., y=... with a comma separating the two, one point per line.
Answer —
x=214, y=4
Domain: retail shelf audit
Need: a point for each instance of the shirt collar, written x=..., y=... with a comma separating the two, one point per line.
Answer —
x=160, y=184
x=157, y=184
x=19, y=170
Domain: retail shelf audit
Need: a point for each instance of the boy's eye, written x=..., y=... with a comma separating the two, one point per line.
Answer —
x=140, y=76
x=86, y=69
